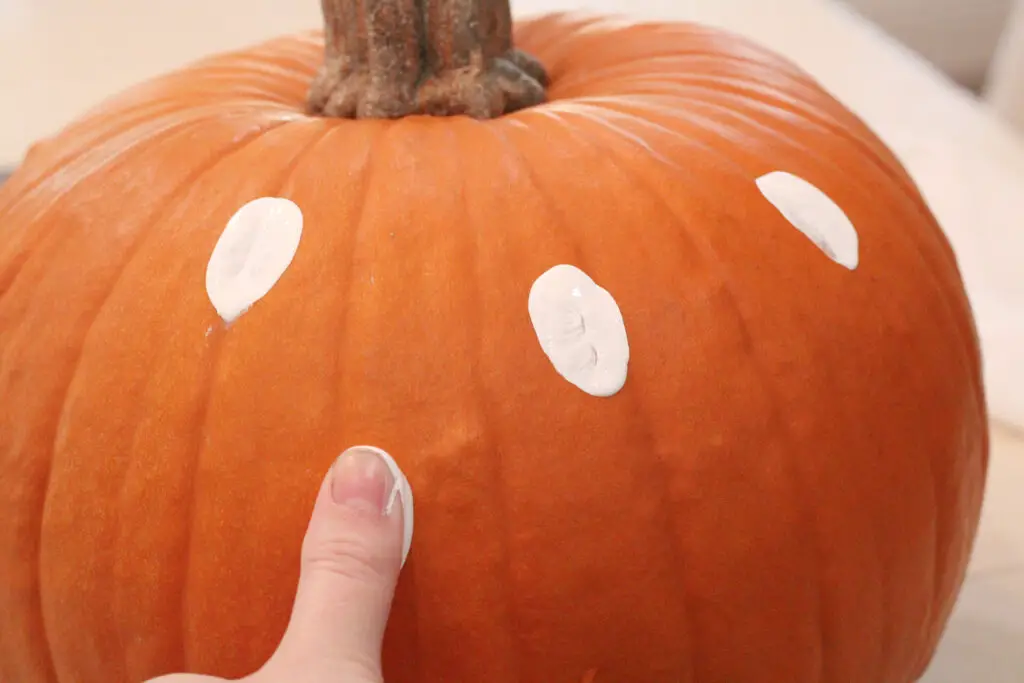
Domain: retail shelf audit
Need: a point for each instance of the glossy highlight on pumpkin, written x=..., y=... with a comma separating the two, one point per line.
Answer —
x=785, y=490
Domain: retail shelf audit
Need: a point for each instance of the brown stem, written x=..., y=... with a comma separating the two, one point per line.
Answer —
x=393, y=58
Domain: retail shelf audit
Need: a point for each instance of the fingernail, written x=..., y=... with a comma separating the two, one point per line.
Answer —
x=368, y=477
x=361, y=478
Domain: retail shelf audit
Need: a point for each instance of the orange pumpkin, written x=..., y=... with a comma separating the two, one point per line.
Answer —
x=783, y=487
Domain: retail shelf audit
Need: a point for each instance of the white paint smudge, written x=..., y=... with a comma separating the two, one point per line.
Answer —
x=402, y=490
x=253, y=252
x=580, y=328
x=813, y=213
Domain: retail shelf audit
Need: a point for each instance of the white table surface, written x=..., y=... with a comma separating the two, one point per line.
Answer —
x=62, y=56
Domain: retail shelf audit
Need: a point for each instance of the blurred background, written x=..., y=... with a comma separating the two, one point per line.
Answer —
x=940, y=81
x=962, y=37
x=977, y=44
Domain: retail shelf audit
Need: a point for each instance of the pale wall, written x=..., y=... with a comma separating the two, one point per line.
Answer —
x=959, y=36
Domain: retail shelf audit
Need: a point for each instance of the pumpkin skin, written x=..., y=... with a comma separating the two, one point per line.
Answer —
x=786, y=489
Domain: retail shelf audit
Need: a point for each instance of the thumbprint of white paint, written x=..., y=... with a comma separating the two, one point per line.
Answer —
x=253, y=252
x=813, y=213
x=580, y=328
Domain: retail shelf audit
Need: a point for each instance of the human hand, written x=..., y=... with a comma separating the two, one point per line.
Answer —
x=354, y=548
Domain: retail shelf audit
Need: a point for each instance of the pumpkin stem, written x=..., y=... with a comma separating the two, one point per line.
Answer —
x=394, y=58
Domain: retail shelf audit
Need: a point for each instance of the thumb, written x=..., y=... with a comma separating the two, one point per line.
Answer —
x=354, y=548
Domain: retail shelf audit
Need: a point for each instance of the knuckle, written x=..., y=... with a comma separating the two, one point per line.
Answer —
x=347, y=558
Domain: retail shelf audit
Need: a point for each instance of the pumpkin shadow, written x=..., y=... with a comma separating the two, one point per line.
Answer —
x=983, y=641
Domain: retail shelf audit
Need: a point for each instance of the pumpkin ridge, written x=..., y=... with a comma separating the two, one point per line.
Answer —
x=672, y=537
x=221, y=157
x=367, y=172
x=760, y=372
x=816, y=535
x=216, y=356
x=45, y=475
x=679, y=90
x=183, y=77
x=672, y=527
x=11, y=272
x=638, y=106
x=369, y=179
x=47, y=644
x=795, y=477
x=962, y=330
x=928, y=465
x=825, y=629
x=194, y=457
x=938, y=568
x=560, y=221
x=486, y=401
x=545, y=38
x=220, y=82
x=711, y=265
x=106, y=132
x=934, y=569
x=182, y=188
x=671, y=40
x=539, y=191
x=649, y=446
x=525, y=32
x=626, y=108
x=885, y=169
x=254, y=66
x=302, y=43
x=934, y=575
x=856, y=131
x=224, y=84
x=770, y=101
x=655, y=65
x=762, y=63
x=539, y=188
x=604, y=108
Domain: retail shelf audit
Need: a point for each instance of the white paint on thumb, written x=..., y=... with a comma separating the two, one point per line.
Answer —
x=402, y=490
x=351, y=557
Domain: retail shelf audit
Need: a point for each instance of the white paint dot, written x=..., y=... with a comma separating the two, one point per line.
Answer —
x=253, y=252
x=402, y=489
x=813, y=213
x=580, y=328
